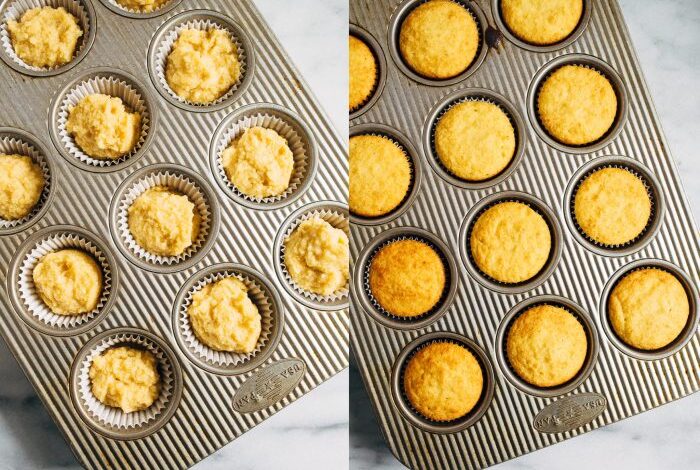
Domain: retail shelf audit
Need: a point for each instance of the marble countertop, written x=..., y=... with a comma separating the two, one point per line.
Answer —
x=666, y=36
x=315, y=429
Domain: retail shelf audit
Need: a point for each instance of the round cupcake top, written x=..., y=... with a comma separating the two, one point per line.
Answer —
x=443, y=381
x=648, y=308
x=144, y=6
x=21, y=184
x=612, y=206
x=68, y=281
x=407, y=278
x=577, y=105
x=380, y=175
x=363, y=72
x=546, y=346
x=510, y=242
x=439, y=39
x=475, y=140
x=542, y=22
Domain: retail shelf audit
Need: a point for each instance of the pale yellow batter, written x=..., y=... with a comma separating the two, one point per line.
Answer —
x=224, y=318
x=317, y=256
x=125, y=378
x=45, y=37
x=21, y=184
x=259, y=162
x=163, y=222
x=68, y=281
x=203, y=65
x=145, y=6
x=103, y=127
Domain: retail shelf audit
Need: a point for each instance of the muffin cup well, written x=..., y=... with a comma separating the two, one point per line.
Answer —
x=592, y=63
x=164, y=39
x=570, y=39
x=338, y=216
x=404, y=405
x=686, y=334
x=591, y=337
x=461, y=96
x=180, y=180
x=107, y=81
x=395, y=23
x=16, y=141
x=14, y=9
x=538, y=206
x=25, y=297
x=113, y=422
x=363, y=293
x=263, y=294
x=288, y=125
x=117, y=8
x=652, y=186
x=380, y=60
x=414, y=166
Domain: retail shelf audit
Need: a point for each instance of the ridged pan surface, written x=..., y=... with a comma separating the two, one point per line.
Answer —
x=313, y=344
x=620, y=384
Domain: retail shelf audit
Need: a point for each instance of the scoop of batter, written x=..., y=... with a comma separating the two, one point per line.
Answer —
x=21, y=184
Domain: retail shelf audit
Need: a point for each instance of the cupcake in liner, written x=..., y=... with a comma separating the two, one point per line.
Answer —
x=13, y=145
x=379, y=67
x=77, y=8
x=117, y=7
x=29, y=295
x=165, y=46
x=134, y=100
x=176, y=182
x=114, y=418
x=298, y=144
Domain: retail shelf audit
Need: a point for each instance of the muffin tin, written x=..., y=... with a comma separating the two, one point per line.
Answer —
x=209, y=400
x=616, y=382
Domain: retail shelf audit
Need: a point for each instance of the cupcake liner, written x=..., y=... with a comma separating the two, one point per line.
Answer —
x=119, y=7
x=165, y=46
x=266, y=308
x=10, y=146
x=297, y=143
x=17, y=8
x=133, y=99
x=337, y=220
x=28, y=292
x=179, y=183
x=115, y=418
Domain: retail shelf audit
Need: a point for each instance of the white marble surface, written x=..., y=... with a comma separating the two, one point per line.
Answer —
x=666, y=35
x=312, y=433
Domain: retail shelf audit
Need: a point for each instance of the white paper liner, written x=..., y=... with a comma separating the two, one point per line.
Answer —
x=256, y=293
x=10, y=146
x=178, y=183
x=17, y=8
x=337, y=220
x=297, y=144
x=166, y=45
x=28, y=291
x=133, y=100
x=115, y=417
x=140, y=12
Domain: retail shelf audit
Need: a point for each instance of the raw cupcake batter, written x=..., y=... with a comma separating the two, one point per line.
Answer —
x=21, y=184
x=145, y=6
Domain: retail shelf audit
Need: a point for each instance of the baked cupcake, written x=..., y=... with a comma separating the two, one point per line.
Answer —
x=648, y=309
x=542, y=22
x=443, y=381
x=407, y=278
x=577, y=105
x=510, y=242
x=546, y=346
x=380, y=175
x=439, y=39
x=475, y=140
x=612, y=206
x=21, y=185
x=363, y=73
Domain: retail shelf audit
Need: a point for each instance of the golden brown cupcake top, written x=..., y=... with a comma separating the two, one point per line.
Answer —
x=542, y=22
x=363, y=72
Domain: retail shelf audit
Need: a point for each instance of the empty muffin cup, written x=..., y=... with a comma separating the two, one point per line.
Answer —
x=380, y=61
x=23, y=292
x=136, y=14
x=113, y=422
x=285, y=123
x=179, y=180
x=12, y=10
